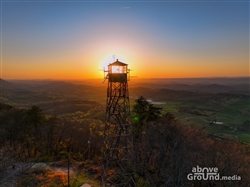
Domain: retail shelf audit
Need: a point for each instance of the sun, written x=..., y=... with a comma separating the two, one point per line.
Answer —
x=103, y=64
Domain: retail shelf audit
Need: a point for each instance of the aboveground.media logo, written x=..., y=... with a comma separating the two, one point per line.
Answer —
x=209, y=173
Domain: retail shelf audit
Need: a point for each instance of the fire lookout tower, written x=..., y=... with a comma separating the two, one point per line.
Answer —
x=118, y=150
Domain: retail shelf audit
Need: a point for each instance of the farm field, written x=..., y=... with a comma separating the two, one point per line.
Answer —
x=221, y=121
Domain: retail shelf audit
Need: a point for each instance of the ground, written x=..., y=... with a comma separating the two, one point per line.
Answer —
x=45, y=175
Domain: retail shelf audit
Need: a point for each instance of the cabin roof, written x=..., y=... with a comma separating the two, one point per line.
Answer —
x=118, y=63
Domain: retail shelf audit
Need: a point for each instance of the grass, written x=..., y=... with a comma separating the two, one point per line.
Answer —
x=232, y=114
x=244, y=138
x=170, y=106
x=82, y=178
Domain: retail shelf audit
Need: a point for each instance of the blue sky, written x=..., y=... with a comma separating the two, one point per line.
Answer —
x=158, y=39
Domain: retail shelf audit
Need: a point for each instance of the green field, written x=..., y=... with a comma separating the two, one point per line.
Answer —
x=228, y=117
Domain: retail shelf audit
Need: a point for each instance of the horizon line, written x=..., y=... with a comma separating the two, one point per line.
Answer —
x=131, y=77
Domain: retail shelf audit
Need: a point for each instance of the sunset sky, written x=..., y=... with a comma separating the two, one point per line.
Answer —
x=164, y=39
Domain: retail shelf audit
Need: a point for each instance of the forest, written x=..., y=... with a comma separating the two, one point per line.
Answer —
x=45, y=121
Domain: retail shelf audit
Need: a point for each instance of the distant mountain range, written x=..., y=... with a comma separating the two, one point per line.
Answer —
x=4, y=83
x=213, y=85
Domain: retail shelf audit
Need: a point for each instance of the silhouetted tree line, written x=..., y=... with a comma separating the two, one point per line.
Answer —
x=26, y=133
x=166, y=151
